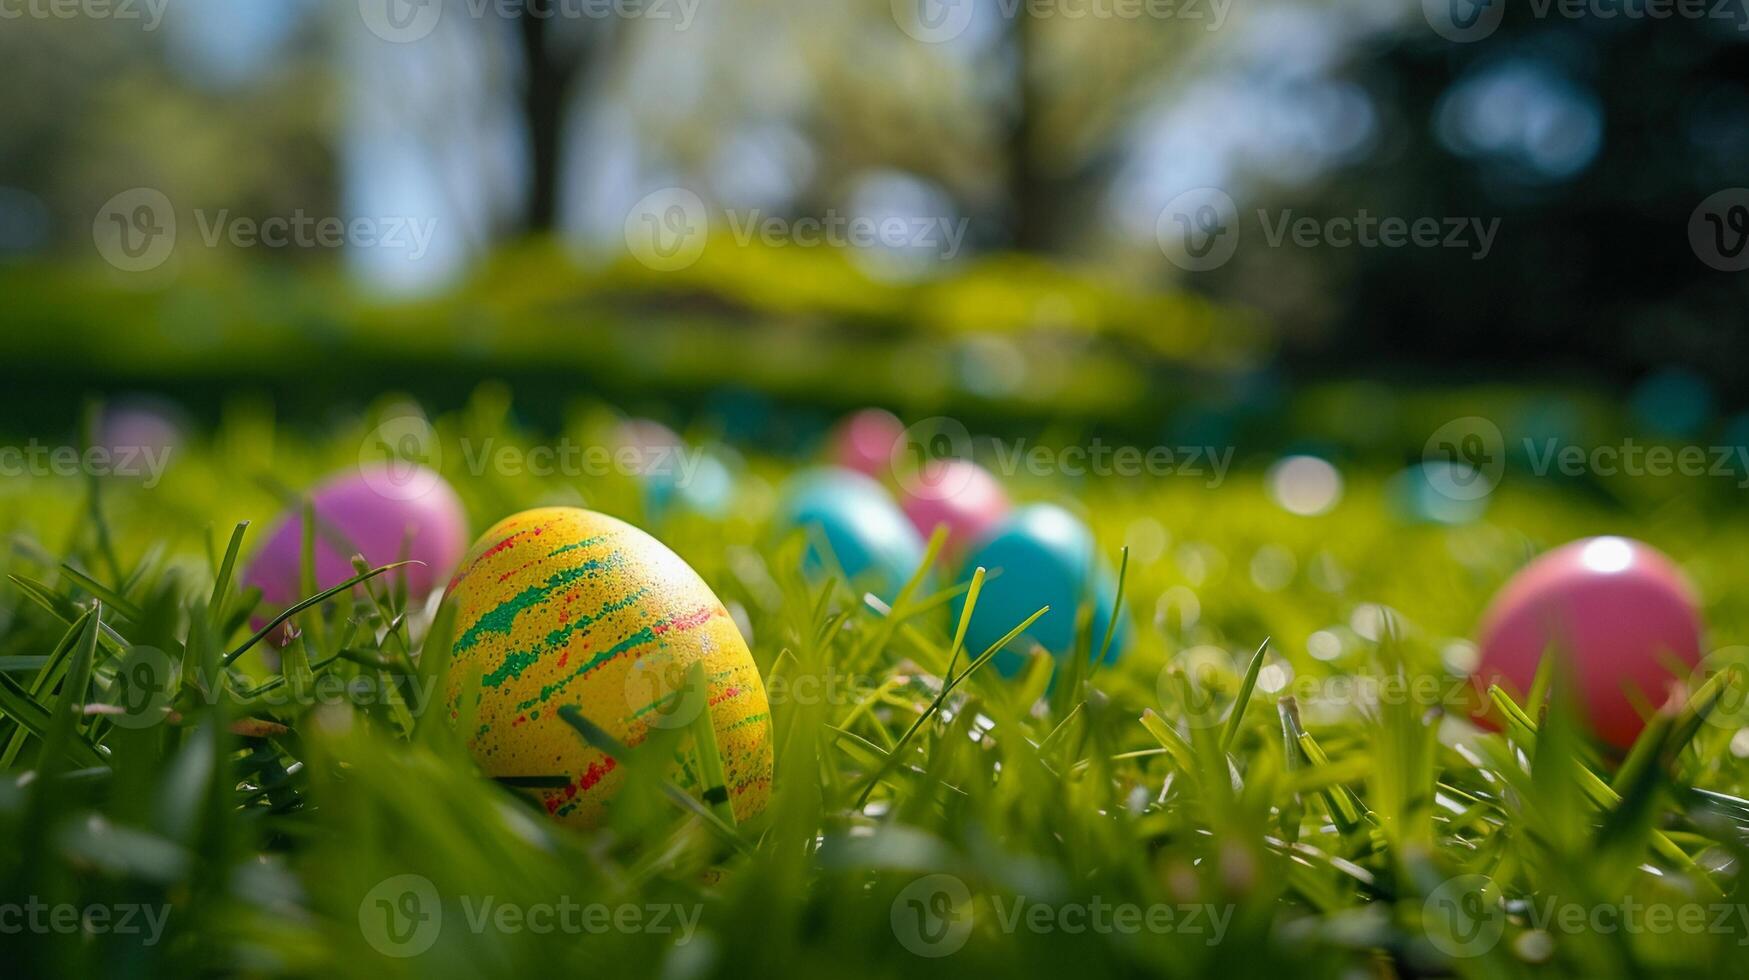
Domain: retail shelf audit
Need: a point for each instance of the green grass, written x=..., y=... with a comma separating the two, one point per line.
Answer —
x=1316, y=837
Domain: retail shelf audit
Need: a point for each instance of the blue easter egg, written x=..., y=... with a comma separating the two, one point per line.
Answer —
x=870, y=539
x=702, y=485
x=1415, y=494
x=1045, y=556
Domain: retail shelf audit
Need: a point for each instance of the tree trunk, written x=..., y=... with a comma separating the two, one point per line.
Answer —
x=544, y=99
x=1030, y=225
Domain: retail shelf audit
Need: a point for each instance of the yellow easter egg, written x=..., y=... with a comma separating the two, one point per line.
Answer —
x=560, y=606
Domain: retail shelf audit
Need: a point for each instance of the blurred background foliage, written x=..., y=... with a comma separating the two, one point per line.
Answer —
x=1056, y=140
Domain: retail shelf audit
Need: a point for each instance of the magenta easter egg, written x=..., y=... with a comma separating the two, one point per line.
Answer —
x=864, y=441
x=1618, y=608
x=386, y=513
x=957, y=493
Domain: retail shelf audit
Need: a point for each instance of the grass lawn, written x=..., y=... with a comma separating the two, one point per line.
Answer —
x=1197, y=808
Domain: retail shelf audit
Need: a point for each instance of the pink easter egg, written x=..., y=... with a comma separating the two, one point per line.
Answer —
x=955, y=492
x=1618, y=608
x=864, y=441
x=385, y=512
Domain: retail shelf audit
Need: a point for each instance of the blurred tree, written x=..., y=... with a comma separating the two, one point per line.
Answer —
x=95, y=107
x=556, y=55
x=1592, y=141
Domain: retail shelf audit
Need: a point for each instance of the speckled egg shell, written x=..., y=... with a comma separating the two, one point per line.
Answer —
x=561, y=606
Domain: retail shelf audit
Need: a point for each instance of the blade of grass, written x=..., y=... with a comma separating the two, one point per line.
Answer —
x=935, y=706
x=1244, y=699
x=63, y=737
x=113, y=599
x=280, y=620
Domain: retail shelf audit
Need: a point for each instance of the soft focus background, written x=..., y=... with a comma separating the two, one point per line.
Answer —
x=260, y=235
x=502, y=160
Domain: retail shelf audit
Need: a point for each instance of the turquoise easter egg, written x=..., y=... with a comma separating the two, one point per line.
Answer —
x=698, y=483
x=1040, y=555
x=1435, y=492
x=867, y=535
